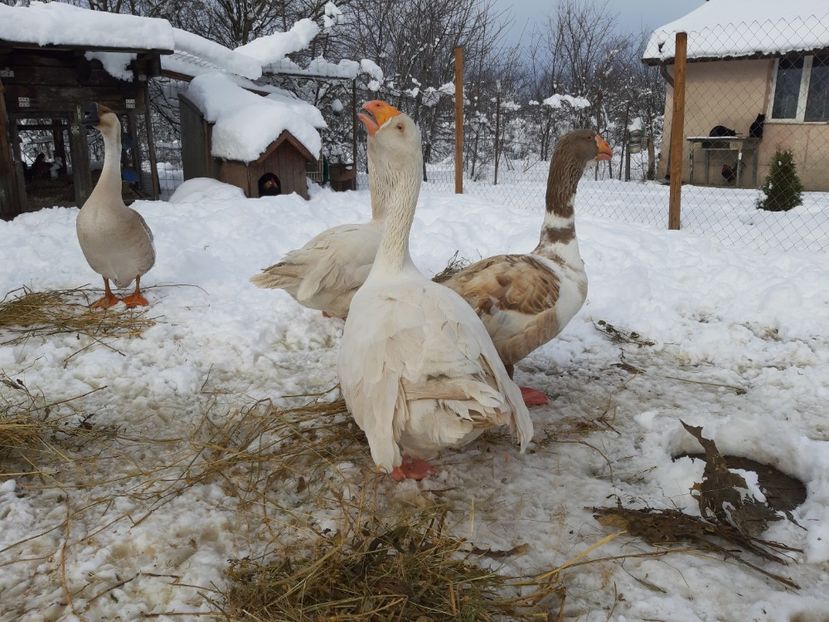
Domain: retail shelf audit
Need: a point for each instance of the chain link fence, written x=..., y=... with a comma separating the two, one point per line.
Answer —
x=755, y=141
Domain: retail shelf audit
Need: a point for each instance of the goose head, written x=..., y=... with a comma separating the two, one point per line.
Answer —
x=583, y=146
x=393, y=137
x=101, y=118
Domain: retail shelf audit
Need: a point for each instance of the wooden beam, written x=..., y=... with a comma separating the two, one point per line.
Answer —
x=9, y=199
x=458, y=120
x=677, y=131
x=25, y=45
x=148, y=122
x=354, y=124
x=80, y=156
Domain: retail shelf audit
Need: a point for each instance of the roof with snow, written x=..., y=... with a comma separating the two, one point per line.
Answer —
x=744, y=28
x=60, y=25
x=246, y=124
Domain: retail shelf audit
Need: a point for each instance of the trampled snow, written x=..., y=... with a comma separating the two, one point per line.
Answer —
x=741, y=347
x=733, y=28
x=246, y=123
x=57, y=23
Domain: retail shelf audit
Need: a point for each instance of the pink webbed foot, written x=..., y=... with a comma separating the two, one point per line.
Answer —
x=533, y=397
x=412, y=468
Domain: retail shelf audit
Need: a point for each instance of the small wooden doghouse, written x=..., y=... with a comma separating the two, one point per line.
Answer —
x=281, y=168
x=44, y=146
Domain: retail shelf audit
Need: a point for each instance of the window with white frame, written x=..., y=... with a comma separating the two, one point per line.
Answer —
x=801, y=88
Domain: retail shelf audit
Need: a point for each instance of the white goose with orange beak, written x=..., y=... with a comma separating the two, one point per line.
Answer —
x=417, y=369
x=114, y=238
x=326, y=272
x=526, y=300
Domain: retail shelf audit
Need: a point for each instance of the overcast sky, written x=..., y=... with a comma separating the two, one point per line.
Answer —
x=633, y=15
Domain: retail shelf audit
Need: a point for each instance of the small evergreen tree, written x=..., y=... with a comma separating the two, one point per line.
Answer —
x=782, y=187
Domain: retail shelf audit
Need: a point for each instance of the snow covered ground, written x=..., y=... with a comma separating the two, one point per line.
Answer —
x=741, y=347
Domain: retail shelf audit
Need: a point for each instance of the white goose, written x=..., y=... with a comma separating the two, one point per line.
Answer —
x=526, y=300
x=417, y=368
x=114, y=238
x=326, y=272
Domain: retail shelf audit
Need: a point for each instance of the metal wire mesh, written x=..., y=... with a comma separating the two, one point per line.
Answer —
x=755, y=143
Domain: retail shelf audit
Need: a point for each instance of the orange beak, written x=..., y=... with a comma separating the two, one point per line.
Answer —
x=376, y=113
x=605, y=150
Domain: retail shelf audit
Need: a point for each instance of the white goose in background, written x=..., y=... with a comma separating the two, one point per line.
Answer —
x=114, y=238
x=326, y=272
x=526, y=300
x=417, y=369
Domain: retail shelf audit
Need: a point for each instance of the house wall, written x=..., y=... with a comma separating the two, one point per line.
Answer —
x=732, y=93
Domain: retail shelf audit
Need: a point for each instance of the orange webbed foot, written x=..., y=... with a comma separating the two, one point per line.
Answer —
x=533, y=397
x=136, y=300
x=412, y=468
x=108, y=300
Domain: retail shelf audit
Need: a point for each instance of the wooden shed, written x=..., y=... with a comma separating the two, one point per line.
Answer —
x=282, y=168
x=45, y=151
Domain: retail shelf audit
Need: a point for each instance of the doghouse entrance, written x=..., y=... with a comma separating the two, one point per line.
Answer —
x=269, y=185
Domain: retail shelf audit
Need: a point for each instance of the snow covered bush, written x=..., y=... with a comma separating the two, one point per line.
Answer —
x=782, y=189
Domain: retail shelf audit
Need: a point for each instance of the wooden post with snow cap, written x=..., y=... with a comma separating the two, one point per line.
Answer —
x=458, y=120
x=677, y=130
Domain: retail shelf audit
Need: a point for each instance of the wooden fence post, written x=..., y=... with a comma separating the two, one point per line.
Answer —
x=497, y=130
x=458, y=120
x=677, y=131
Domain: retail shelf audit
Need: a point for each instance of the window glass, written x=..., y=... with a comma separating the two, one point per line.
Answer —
x=787, y=88
x=817, y=101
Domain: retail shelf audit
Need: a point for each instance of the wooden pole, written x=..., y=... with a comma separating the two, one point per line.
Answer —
x=458, y=120
x=354, y=128
x=497, y=130
x=9, y=201
x=677, y=131
x=148, y=121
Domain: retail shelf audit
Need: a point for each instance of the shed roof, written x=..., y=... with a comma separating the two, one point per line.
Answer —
x=246, y=124
x=62, y=26
x=744, y=28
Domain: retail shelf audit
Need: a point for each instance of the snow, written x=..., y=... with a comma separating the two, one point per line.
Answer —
x=332, y=15
x=198, y=50
x=558, y=101
x=246, y=123
x=734, y=28
x=273, y=48
x=728, y=317
x=57, y=23
x=372, y=69
x=116, y=64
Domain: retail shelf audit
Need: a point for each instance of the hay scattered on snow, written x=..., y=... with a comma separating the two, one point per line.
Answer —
x=409, y=569
x=25, y=313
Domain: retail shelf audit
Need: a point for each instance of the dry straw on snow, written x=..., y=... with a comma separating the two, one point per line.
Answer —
x=25, y=313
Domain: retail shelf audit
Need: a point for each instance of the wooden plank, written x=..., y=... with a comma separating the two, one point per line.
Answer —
x=353, y=123
x=80, y=156
x=195, y=142
x=65, y=99
x=677, y=132
x=9, y=195
x=458, y=120
x=25, y=45
x=148, y=124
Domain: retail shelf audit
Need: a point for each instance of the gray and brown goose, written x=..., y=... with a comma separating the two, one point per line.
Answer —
x=526, y=300
x=114, y=238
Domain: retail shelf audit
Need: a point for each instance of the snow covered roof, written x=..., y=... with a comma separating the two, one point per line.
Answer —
x=740, y=28
x=63, y=25
x=195, y=55
x=245, y=123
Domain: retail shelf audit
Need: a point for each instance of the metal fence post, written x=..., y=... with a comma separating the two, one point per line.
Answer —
x=677, y=131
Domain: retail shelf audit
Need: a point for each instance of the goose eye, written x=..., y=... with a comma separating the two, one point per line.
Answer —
x=400, y=126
